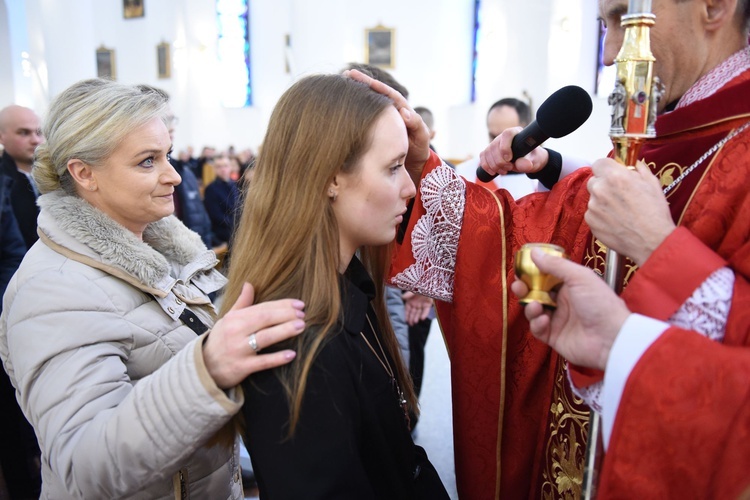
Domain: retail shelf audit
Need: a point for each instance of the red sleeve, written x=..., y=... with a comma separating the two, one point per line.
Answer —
x=670, y=275
x=683, y=425
x=665, y=281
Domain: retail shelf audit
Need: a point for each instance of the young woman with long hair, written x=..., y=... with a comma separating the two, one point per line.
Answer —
x=329, y=192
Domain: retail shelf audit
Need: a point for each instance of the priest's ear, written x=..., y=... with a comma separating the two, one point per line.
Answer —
x=724, y=14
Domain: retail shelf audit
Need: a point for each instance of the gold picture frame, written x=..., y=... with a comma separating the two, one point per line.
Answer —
x=379, y=46
x=132, y=9
x=163, y=60
x=105, y=63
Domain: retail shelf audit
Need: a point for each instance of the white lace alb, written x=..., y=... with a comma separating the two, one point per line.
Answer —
x=435, y=236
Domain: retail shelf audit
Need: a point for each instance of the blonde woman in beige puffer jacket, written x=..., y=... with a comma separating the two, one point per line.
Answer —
x=106, y=331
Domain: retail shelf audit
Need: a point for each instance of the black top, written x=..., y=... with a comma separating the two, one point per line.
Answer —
x=22, y=198
x=189, y=204
x=352, y=440
x=12, y=246
x=221, y=199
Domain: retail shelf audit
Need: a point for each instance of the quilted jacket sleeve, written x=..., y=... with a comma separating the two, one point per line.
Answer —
x=103, y=434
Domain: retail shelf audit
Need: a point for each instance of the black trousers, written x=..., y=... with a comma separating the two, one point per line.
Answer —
x=417, y=339
x=19, y=451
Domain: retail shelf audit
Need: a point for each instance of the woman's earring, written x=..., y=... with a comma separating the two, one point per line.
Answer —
x=332, y=195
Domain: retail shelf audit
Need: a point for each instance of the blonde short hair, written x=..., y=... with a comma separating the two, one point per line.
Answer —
x=87, y=121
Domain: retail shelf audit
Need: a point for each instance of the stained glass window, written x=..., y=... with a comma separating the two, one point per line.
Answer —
x=234, y=82
x=477, y=5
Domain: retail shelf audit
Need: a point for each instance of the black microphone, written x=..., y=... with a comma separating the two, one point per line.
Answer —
x=562, y=113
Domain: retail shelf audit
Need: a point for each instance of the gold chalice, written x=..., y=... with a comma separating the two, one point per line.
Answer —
x=539, y=283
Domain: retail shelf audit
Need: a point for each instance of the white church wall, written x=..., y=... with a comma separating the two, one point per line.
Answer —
x=535, y=46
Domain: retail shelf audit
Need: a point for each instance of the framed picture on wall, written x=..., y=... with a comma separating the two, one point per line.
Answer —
x=105, y=63
x=163, y=60
x=132, y=8
x=379, y=46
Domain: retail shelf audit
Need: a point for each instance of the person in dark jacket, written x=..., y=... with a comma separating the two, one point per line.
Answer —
x=12, y=247
x=189, y=206
x=221, y=199
x=329, y=192
x=19, y=453
x=20, y=134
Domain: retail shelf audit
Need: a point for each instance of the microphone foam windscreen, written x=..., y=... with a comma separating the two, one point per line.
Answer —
x=564, y=111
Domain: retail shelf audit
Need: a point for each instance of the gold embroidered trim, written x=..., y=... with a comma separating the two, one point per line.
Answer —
x=503, y=368
x=565, y=452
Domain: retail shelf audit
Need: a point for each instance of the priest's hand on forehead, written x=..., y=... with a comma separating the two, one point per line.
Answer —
x=419, y=134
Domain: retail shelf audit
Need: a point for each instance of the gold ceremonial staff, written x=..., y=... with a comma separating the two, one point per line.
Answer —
x=633, y=100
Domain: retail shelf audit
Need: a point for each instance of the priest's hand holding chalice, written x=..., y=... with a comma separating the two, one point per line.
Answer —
x=587, y=316
x=539, y=284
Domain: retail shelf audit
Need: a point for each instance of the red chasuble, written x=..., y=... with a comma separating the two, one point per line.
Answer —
x=518, y=430
x=510, y=397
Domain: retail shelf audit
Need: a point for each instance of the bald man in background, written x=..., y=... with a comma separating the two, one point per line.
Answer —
x=20, y=134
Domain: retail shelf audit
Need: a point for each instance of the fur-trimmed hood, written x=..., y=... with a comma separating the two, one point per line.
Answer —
x=74, y=224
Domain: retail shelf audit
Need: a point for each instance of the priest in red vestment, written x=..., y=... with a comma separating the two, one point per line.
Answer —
x=519, y=431
x=676, y=404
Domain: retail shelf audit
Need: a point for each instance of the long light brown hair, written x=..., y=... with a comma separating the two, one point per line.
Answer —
x=287, y=244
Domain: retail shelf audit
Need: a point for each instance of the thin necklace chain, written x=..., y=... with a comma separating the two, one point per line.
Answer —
x=384, y=360
x=705, y=155
x=387, y=367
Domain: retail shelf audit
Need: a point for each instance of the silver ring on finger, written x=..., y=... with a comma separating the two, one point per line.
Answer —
x=252, y=340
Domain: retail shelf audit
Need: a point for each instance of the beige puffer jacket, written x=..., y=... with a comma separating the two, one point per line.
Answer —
x=109, y=376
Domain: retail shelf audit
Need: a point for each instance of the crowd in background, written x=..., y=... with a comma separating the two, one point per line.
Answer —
x=221, y=177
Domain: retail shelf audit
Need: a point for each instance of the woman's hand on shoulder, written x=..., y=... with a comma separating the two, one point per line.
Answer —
x=232, y=350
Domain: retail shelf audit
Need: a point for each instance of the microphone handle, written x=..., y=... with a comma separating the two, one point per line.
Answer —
x=523, y=143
